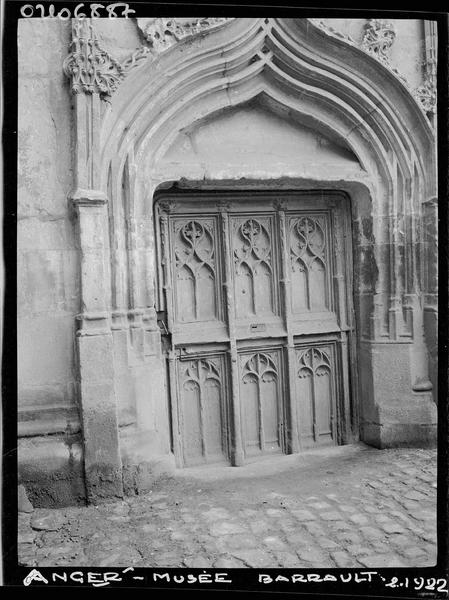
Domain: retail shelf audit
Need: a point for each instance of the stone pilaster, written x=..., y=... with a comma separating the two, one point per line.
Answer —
x=430, y=225
x=94, y=74
x=102, y=462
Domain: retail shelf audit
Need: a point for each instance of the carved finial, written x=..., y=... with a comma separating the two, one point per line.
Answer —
x=378, y=39
x=91, y=69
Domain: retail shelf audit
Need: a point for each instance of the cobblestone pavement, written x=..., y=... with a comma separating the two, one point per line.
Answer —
x=351, y=506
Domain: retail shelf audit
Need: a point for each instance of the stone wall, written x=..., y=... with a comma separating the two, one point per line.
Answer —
x=48, y=278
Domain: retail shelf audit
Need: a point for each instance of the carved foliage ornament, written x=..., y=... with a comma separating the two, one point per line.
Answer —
x=426, y=95
x=378, y=39
x=93, y=70
x=90, y=67
x=161, y=33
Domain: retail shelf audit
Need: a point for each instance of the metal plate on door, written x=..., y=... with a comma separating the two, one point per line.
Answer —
x=257, y=327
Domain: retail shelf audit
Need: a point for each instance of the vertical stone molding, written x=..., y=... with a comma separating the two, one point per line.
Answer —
x=430, y=225
x=103, y=469
x=94, y=73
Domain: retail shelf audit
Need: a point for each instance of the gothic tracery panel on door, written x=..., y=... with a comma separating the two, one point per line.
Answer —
x=255, y=267
x=203, y=410
x=316, y=394
x=309, y=256
x=194, y=243
x=261, y=402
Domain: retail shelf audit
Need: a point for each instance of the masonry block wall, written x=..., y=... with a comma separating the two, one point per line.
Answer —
x=48, y=271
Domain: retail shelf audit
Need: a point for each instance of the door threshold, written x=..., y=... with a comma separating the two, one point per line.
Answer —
x=271, y=464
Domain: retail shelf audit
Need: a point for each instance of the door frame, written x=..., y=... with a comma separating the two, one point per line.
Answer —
x=345, y=354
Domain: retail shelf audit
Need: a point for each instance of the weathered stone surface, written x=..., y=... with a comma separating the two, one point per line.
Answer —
x=52, y=468
x=226, y=528
x=381, y=560
x=23, y=504
x=26, y=538
x=47, y=521
x=303, y=515
x=275, y=543
x=331, y=516
x=228, y=562
x=48, y=261
x=148, y=531
x=198, y=562
x=254, y=558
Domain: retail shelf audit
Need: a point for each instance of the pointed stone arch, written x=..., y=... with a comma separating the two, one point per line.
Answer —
x=296, y=69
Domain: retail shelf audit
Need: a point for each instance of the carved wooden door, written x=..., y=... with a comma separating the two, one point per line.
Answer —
x=256, y=308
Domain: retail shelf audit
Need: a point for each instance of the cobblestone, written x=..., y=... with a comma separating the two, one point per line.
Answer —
x=273, y=516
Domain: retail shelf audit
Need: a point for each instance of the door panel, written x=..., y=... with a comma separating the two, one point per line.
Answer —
x=309, y=262
x=256, y=296
x=255, y=280
x=194, y=255
x=315, y=394
x=203, y=410
x=261, y=402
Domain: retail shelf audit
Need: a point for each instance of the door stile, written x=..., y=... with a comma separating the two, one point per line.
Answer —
x=341, y=280
x=174, y=404
x=259, y=409
x=235, y=408
x=172, y=375
x=202, y=416
x=291, y=426
x=351, y=372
